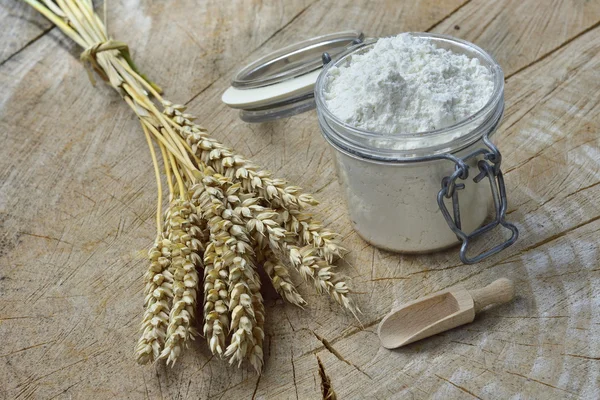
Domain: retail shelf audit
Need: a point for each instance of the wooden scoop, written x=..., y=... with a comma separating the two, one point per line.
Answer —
x=439, y=312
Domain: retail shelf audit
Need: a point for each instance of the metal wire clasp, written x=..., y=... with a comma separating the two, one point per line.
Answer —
x=488, y=167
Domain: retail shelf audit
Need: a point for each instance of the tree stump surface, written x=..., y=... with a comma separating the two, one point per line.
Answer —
x=77, y=204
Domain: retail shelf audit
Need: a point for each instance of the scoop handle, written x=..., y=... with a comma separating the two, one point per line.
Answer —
x=500, y=291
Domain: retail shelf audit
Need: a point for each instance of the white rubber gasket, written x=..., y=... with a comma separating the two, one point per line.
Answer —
x=266, y=95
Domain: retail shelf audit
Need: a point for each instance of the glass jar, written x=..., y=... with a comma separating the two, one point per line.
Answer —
x=403, y=190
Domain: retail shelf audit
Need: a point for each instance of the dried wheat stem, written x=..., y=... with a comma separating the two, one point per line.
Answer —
x=233, y=252
x=171, y=150
x=157, y=119
x=57, y=19
x=246, y=314
x=199, y=232
x=231, y=165
x=166, y=126
x=167, y=171
x=159, y=285
x=234, y=208
x=158, y=182
x=261, y=223
x=180, y=184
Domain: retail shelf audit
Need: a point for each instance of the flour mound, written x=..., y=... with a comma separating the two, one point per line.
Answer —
x=405, y=84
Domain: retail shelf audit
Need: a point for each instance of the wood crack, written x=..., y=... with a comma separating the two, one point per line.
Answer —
x=487, y=25
x=44, y=237
x=336, y=353
x=295, y=17
x=466, y=344
x=346, y=335
x=554, y=237
x=458, y=387
x=457, y=9
x=27, y=348
x=540, y=382
x=32, y=41
x=416, y=273
x=66, y=390
x=531, y=317
x=27, y=383
x=391, y=278
x=326, y=387
x=580, y=356
x=145, y=386
x=540, y=152
x=294, y=372
x=582, y=189
x=256, y=387
x=549, y=53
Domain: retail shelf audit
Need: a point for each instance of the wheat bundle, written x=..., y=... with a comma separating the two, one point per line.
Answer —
x=225, y=217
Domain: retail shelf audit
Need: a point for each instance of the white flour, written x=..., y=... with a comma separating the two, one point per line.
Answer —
x=402, y=85
x=405, y=84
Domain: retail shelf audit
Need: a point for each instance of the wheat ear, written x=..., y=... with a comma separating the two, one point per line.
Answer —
x=216, y=272
x=255, y=354
x=216, y=301
x=311, y=233
x=289, y=201
x=280, y=277
x=185, y=279
x=244, y=316
x=232, y=246
x=315, y=268
x=262, y=224
x=159, y=294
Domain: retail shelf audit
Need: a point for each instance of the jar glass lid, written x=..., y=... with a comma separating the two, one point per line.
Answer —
x=281, y=83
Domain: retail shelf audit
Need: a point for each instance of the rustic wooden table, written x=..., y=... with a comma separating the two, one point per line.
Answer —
x=77, y=198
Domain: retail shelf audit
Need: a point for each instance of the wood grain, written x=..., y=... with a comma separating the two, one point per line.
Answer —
x=526, y=347
x=21, y=26
x=77, y=202
x=521, y=32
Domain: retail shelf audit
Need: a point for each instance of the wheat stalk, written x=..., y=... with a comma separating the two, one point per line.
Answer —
x=224, y=214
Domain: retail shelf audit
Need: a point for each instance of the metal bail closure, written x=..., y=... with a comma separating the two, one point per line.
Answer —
x=488, y=167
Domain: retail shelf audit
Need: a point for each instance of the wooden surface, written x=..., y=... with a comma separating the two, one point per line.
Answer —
x=77, y=198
